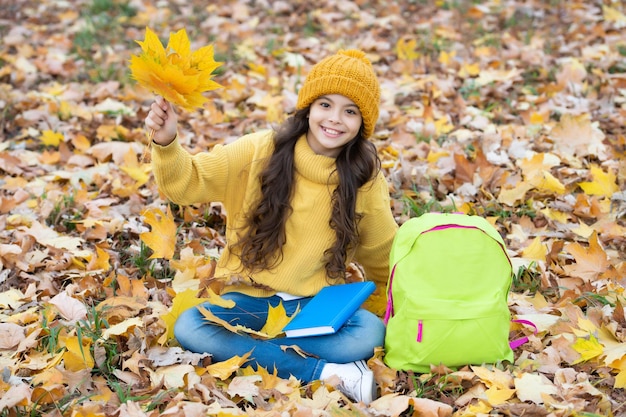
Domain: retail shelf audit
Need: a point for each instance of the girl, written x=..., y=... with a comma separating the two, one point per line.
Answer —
x=302, y=203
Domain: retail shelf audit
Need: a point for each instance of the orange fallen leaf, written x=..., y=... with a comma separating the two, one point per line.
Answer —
x=590, y=262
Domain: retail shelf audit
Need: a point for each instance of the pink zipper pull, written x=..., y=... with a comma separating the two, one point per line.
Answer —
x=420, y=326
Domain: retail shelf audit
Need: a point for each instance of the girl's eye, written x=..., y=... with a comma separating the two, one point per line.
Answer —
x=324, y=104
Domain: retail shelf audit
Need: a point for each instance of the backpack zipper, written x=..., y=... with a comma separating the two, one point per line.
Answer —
x=420, y=328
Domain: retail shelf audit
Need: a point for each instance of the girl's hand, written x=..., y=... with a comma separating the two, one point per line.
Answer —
x=163, y=120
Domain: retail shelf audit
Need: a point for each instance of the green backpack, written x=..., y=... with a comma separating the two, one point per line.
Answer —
x=447, y=294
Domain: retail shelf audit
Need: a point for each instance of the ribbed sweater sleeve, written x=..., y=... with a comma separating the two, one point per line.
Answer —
x=208, y=176
x=189, y=179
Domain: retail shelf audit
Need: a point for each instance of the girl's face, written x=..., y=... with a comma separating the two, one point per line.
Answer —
x=334, y=120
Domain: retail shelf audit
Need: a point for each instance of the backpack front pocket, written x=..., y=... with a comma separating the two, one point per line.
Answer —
x=422, y=338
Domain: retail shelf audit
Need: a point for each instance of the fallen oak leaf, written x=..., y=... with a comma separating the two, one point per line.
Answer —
x=49, y=237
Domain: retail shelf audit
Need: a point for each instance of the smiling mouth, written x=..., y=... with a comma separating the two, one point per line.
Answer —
x=332, y=132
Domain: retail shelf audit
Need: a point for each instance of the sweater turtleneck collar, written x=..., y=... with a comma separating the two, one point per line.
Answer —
x=319, y=169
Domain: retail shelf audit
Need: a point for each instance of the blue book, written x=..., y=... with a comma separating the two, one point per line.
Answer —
x=329, y=309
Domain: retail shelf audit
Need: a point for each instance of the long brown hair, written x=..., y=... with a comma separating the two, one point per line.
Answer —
x=357, y=163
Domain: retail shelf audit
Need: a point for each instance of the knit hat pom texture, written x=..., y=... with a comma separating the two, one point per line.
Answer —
x=350, y=74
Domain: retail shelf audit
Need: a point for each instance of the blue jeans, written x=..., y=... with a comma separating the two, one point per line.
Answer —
x=356, y=340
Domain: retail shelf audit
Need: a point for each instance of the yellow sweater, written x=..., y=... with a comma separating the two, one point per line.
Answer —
x=230, y=174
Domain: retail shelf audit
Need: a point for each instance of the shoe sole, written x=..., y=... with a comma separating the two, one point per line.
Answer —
x=368, y=386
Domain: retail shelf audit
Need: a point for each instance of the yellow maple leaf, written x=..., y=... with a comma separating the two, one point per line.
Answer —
x=77, y=356
x=620, y=378
x=603, y=184
x=555, y=215
x=162, y=238
x=535, y=170
x=407, y=49
x=509, y=196
x=136, y=170
x=276, y=319
x=588, y=349
x=100, y=260
x=613, y=15
x=545, y=181
x=51, y=138
x=469, y=70
x=497, y=396
x=493, y=377
x=184, y=280
x=182, y=301
x=443, y=126
x=122, y=327
x=174, y=72
x=536, y=250
x=223, y=370
x=614, y=348
x=188, y=261
x=445, y=57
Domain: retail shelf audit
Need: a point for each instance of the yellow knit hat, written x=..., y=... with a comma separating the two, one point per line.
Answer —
x=350, y=74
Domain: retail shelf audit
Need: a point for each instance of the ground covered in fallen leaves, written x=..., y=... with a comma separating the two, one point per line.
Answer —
x=513, y=110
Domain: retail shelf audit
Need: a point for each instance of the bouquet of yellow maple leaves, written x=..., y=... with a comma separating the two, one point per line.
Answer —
x=174, y=71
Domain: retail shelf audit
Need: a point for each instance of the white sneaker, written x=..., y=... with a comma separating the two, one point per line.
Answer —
x=357, y=380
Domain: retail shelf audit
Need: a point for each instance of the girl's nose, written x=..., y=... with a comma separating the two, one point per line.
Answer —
x=334, y=117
